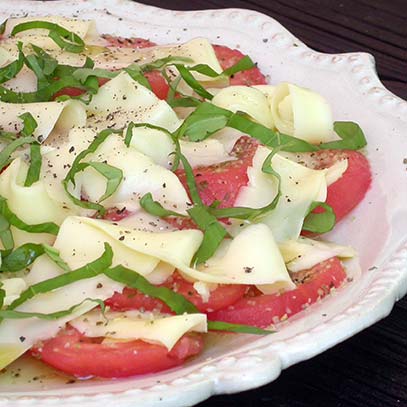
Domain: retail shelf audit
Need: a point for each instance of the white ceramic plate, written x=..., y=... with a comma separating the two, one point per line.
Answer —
x=377, y=229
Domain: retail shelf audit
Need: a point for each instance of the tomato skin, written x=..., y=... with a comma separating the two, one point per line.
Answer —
x=221, y=297
x=228, y=57
x=345, y=193
x=264, y=310
x=77, y=355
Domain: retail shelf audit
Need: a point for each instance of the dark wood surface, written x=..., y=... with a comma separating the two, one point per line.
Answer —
x=369, y=369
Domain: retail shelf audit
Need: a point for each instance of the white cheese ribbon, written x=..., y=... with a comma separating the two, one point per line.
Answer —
x=140, y=176
x=122, y=100
x=252, y=257
x=302, y=113
x=86, y=29
x=300, y=186
x=245, y=99
x=132, y=325
x=304, y=253
x=58, y=116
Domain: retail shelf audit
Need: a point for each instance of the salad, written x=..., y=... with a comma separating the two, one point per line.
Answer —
x=152, y=193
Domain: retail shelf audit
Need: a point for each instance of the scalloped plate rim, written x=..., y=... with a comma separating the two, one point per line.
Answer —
x=270, y=361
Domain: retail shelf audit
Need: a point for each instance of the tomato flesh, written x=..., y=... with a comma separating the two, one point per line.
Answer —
x=228, y=57
x=120, y=42
x=77, y=355
x=220, y=297
x=345, y=193
x=222, y=182
x=264, y=310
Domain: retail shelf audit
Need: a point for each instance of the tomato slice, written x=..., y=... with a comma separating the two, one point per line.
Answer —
x=264, y=310
x=121, y=42
x=345, y=193
x=77, y=355
x=228, y=57
x=222, y=182
x=220, y=297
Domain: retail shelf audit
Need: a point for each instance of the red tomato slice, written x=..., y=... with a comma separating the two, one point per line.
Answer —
x=77, y=355
x=264, y=310
x=221, y=297
x=228, y=57
x=121, y=42
x=350, y=189
x=222, y=182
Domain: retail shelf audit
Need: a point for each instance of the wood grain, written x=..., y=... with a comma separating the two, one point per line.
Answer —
x=369, y=369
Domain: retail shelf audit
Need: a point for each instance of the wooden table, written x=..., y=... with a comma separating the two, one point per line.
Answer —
x=369, y=369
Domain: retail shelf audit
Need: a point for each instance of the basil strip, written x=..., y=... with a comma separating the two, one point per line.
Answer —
x=214, y=233
x=25, y=255
x=47, y=62
x=41, y=95
x=112, y=174
x=238, y=328
x=82, y=74
x=34, y=171
x=3, y=26
x=155, y=208
x=162, y=63
x=90, y=270
x=11, y=70
x=2, y=297
x=136, y=74
x=132, y=125
x=29, y=124
x=46, y=227
x=21, y=258
x=351, y=134
x=12, y=314
x=321, y=222
x=128, y=277
x=64, y=38
x=10, y=148
x=243, y=65
x=6, y=236
x=192, y=82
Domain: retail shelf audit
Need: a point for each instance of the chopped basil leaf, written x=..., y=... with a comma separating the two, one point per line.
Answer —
x=13, y=314
x=12, y=219
x=6, y=236
x=208, y=119
x=47, y=62
x=351, y=134
x=129, y=132
x=3, y=26
x=243, y=65
x=64, y=38
x=41, y=95
x=90, y=270
x=24, y=256
x=136, y=74
x=253, y=213
x=29, y=124
x=320, y=222
x=155, y=208
x=12, y=69
x=192, y=82
x=238, y=328
x=162, y=63
x=10, y=148
x=82, y=74
x=132, y=279
x=113, y=175
x=214, y=233
x=34, y=171
x=2, y=297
